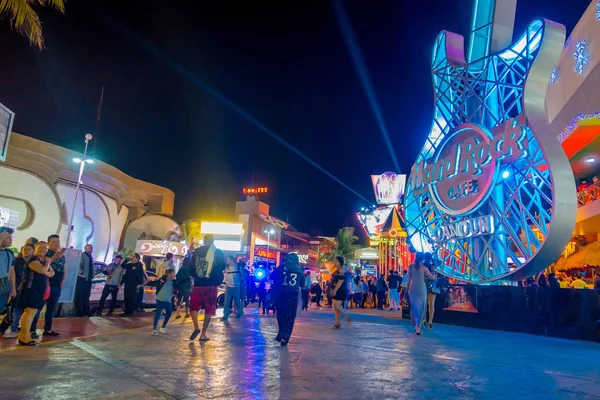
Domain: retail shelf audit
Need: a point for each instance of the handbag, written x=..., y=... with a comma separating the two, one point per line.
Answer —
x=46, y=293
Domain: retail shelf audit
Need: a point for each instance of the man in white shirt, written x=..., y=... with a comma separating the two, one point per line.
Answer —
x=232, y=292
x=305, y=289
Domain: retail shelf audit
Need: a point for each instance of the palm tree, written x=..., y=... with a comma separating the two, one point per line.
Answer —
x=345, y=246
x=25, y=20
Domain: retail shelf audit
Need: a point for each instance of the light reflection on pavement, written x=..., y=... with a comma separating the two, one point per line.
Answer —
x=373, y=358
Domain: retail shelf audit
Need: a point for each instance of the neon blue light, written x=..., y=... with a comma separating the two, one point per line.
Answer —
x=526, y=44
x=554, y=75
x=505, y=174
x=581, y=58
x=259, y=274
x=598, y=10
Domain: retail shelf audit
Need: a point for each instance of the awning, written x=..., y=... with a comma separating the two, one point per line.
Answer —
x=586, y=255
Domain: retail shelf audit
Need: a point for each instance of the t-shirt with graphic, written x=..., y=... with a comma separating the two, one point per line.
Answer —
x=293, y=278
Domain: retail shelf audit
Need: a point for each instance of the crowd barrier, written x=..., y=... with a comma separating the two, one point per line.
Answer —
x=564, y=313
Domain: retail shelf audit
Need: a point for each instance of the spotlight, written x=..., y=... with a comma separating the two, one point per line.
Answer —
x=590, y=160
x=505, y=174
x=260, y=274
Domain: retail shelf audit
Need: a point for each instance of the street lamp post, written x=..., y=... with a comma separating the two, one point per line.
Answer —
x=81, y=163
x=269, y=232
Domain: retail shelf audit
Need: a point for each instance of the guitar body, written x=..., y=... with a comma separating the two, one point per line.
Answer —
x=492, y=193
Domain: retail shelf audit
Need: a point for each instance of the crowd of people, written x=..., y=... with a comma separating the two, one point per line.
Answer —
x=563, y=280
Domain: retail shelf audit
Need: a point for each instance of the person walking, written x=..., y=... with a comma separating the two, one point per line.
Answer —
x=358, y=292
x=244, y=283
x=166, y=289
x=394, y=285
x=208, y=264
x=85, y=275
x=305, y=290
x=133, y=279
x=288, y=278
x=114, y=273
x=232, y=290
x=184, y=286
x=373, y=291
x=339, y=291
x=432, y=291
x=35, y=291
x=262, y=295
x=381, y=288
x=318, y=292
x=57, y=263
x=417, y=291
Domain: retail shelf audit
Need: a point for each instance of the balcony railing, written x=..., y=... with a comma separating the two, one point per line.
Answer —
x=588, y=195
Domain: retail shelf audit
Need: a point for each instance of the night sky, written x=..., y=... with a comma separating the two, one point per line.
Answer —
x=284, y=63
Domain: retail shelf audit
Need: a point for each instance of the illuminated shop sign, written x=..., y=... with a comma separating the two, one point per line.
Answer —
x=259, y=252
x=464, y=229
x=373, y=221
x=464, y=167
x=302, y=258
x=160, y=248
x=255, y=190
x=273, y=221
x=389, y=187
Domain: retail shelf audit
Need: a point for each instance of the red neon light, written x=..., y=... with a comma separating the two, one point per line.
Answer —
x=255, y=190
x=263, y=253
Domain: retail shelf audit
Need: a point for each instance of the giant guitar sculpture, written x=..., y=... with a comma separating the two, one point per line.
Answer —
x=492, y=193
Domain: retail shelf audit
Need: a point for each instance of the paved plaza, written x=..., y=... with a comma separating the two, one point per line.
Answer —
x=375, y=358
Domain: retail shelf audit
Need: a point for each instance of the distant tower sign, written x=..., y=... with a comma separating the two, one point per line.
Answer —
x=6, y=122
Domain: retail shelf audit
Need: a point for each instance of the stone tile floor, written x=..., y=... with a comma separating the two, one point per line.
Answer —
x=376, y=357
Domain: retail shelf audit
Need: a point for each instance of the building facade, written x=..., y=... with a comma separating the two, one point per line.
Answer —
x=38, y=182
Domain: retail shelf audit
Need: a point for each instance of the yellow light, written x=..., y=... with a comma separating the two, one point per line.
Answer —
x=221, y=228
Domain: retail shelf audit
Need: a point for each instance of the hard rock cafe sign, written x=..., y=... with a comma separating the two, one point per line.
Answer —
x=492, y=193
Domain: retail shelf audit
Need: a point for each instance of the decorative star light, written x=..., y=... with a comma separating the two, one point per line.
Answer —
x=598, y=10
x=554, y=75
x=581, y=58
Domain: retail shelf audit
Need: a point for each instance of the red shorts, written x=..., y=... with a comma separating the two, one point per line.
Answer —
x=204, y=297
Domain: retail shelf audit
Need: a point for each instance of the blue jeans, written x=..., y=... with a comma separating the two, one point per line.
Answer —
x=17, y=312
x=51, y=307
x=232, y=293
x=36, y=318
x=167, y=306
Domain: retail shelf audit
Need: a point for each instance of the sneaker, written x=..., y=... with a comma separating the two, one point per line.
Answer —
x=34, y=335
x=178, y=316
x=10, y=335
x=186, y=316
x=51, y=333
x=164, y=330
x=154, y=332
